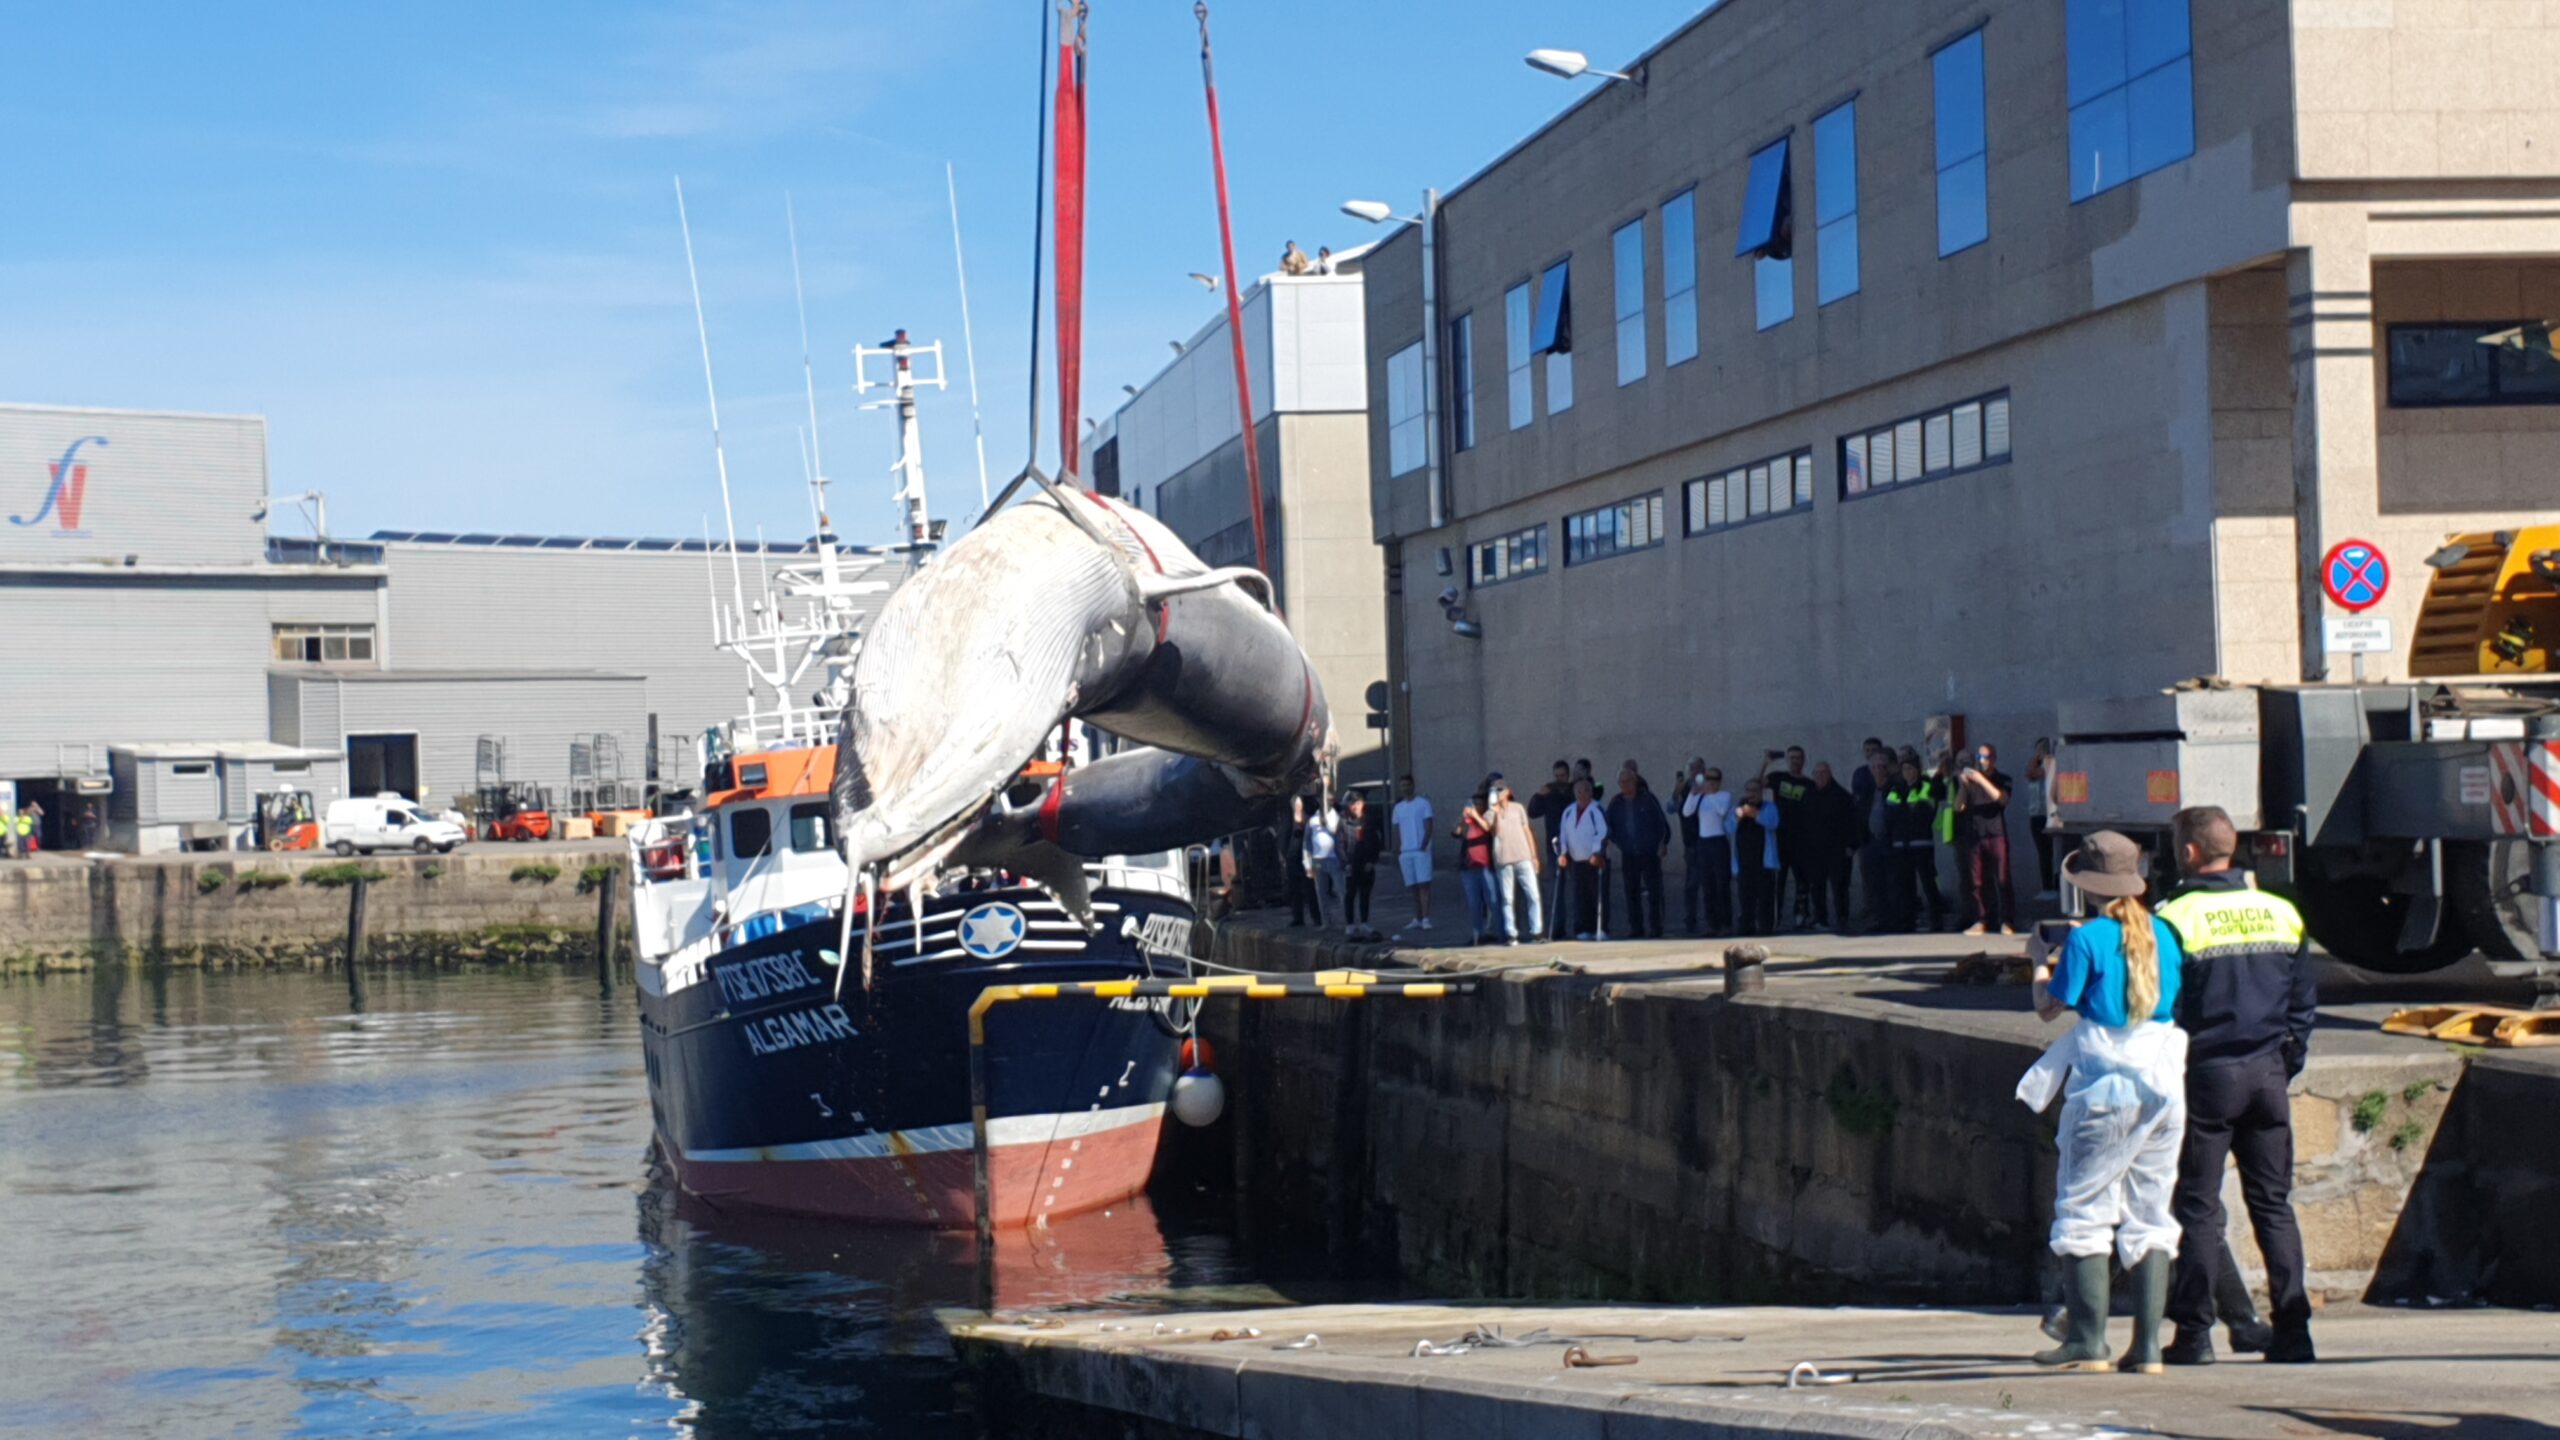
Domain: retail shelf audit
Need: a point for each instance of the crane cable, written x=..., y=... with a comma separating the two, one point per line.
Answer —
x=1235, y=301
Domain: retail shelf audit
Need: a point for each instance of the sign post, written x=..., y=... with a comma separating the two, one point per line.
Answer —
x=2355, y=577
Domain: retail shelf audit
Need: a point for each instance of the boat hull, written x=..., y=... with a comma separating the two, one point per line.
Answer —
x=771, y=1091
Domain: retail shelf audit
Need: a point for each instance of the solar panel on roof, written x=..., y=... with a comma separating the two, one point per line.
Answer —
x=657, y=545
x=613, y=542
x=564, y=542
x=521, y=540
x=432, y=537
x=392, y=535
x=693, y=547
x=476, y=540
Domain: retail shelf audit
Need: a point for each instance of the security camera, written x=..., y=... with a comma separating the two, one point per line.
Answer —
x=1467, y=629
x=1448, y=597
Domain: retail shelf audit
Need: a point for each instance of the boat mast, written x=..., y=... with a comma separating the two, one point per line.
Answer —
x=902, y=353
x=809, y=383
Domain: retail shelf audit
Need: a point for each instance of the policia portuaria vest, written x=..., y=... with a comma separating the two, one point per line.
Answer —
x=2247, y=984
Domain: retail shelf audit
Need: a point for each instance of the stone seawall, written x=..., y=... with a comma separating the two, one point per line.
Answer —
x=256, y=909
x=1640, y=1136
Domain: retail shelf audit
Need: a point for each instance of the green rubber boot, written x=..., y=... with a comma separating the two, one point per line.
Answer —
x=2150, y=1299
x=2084, y=1301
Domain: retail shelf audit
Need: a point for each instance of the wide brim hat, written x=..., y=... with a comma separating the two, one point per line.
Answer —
x=2107, y=864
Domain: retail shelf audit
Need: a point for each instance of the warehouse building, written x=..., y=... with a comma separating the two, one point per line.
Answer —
x=1853, y=365
x=167, y=661
x=1176, y=450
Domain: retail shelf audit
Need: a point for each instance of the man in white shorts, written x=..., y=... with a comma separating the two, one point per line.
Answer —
x=1412, y=820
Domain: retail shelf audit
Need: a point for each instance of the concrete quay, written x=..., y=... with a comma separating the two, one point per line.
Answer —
x=1601, y=1121
x=1721, y=1374
x=478, y=904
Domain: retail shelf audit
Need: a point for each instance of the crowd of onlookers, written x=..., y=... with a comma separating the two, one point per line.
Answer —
x=1791, y=845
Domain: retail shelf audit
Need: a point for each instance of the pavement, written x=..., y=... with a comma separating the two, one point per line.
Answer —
x=1723, y=1372
x=1904, y=972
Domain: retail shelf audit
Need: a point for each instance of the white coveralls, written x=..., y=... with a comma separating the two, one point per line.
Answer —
x=2124, y=1117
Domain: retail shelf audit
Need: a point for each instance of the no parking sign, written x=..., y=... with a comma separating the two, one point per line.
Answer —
x=2354, y=575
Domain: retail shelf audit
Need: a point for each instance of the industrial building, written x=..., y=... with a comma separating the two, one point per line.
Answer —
x=1176, y=450
x=1847, y=366
x=167, y=660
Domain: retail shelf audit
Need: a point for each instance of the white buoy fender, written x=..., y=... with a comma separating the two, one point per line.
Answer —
x=1199, y=1098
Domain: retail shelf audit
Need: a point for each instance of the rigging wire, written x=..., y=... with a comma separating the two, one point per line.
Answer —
x=1235, y=300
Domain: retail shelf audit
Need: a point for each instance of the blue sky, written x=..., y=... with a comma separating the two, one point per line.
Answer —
x=436, y=245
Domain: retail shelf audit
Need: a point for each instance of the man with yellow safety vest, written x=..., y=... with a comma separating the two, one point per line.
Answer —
x=2248, y=1003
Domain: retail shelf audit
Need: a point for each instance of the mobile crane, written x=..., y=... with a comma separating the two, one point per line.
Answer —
x=2413, y=821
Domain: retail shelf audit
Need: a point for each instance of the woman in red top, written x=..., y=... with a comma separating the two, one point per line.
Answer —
x=1475, y=862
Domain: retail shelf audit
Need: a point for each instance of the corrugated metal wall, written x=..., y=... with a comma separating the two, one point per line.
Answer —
x=631, y=612
x=174, y=791
x=108, y=656
x=537, y=717
x=166, y=489
x=324, y=780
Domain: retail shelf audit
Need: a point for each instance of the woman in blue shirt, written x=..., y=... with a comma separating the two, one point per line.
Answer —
x=2122, y=1073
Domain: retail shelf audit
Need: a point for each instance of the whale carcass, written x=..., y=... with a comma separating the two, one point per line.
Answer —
x=1070, y=606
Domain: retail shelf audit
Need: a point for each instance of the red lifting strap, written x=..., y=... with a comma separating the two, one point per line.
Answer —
x=1235, y=302
x=1070, y=226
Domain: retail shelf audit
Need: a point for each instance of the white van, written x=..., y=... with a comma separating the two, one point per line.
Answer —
x=385, y=822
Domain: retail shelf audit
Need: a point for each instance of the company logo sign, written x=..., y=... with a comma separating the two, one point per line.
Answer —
x=65, y=491
x=991, y=931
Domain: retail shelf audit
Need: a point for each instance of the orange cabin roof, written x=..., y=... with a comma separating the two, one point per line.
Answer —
x=784, y=773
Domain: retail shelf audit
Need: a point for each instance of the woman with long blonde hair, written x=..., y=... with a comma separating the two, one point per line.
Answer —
x=2121, y=1071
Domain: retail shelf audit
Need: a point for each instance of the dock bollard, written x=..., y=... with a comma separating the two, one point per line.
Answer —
x=1744, y=969
x=604, y=933
x=355, y=940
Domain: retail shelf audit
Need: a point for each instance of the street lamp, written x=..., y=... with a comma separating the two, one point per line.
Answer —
x=1573, y=65
x=1376, y=212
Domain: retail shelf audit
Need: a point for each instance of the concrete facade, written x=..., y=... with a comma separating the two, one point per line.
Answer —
x=2195, y=364
x=1180, y=455
x=142, y=602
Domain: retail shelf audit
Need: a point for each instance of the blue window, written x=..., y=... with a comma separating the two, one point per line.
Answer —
x=1462, y=382
x=1835, y=203
x=1554, y=335
x=1768, y=236
x=1613, y=529
x=1680, y=278
x=1766, y=222
x=2132, y=90
x=1964, y=175
x=1626, y=263
x=1516, y=353
x=1508, y=557
x=1555, y=310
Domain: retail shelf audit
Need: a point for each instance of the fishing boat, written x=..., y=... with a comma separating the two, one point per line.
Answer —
x=993, y=785
x=774, y=1083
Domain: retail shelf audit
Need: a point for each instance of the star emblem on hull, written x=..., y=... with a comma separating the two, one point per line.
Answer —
x=992, y=931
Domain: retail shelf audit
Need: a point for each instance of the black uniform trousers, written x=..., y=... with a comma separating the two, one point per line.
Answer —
x=1359, y=884
x=1643, y=874
x=2237, y=1108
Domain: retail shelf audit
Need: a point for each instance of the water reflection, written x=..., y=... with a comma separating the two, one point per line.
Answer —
x=231, y=1204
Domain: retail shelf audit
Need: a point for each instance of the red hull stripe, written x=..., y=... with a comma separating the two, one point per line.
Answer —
x=1033, y=1179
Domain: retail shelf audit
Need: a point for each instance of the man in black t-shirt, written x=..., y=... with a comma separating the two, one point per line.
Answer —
x=1982, y=837
x=1797, y=861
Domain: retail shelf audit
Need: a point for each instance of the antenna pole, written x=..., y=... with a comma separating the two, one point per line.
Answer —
x=808, y=372
x=968, y=340
x=719, y=454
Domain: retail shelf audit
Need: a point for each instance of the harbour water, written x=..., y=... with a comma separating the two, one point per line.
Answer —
x=234, y=1203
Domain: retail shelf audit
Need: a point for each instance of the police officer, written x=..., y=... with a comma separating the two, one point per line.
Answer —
x=2248, y=1005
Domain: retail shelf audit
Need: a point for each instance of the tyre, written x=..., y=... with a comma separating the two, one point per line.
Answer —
x=2357, y=919
x=424, y=846
x=2490, y=885
x=343, y=849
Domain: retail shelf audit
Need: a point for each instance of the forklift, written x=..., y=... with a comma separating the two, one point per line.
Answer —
x=514, y=810
x=286, y=821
